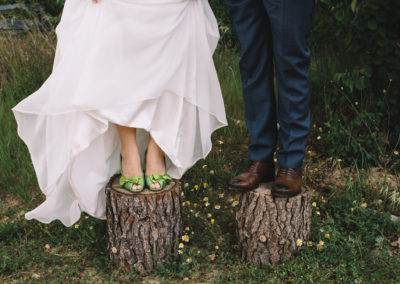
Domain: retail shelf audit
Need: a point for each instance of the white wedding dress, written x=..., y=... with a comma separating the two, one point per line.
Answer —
x=139, y=63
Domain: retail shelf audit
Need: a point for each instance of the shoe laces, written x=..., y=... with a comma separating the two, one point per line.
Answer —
x=252, y=167
x=286, y=172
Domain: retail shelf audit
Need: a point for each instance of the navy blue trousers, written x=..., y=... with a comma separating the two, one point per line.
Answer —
x=272, y=35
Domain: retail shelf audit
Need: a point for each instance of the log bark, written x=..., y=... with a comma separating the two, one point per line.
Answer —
x=143, y=229
x=268, y=228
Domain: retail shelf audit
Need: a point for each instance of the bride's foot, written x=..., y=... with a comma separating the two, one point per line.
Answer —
x=131, y=167
x=155, y=166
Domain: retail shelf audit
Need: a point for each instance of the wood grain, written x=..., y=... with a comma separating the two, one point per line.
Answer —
x=143, y=229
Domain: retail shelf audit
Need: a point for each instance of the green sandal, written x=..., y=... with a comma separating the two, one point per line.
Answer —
x=127, y=183
x=162, y=180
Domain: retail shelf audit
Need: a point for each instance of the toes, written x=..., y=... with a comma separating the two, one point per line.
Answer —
x=136, y=187
x=155, y=185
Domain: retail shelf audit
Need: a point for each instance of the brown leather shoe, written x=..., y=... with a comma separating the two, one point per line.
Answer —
x=287, y=182
x=250, y=179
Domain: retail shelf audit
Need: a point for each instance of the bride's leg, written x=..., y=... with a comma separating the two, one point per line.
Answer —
x=154, y=160
x=130, y=153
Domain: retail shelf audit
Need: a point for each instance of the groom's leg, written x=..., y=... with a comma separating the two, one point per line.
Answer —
x=290, y=24
x=251, y=25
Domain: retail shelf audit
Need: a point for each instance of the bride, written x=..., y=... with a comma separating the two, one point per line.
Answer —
x=133, y=89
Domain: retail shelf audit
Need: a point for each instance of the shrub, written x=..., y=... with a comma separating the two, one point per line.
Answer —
x=364, y=36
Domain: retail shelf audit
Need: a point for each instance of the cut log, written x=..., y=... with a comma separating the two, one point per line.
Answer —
x=143, y=229
x=268, y=228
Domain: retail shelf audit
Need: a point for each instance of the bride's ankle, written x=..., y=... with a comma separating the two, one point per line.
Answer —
x=131, y=165
x=155, y=163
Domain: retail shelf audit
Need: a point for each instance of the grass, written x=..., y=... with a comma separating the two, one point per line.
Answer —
x=352, y=204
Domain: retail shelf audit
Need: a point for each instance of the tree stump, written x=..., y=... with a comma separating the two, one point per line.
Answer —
x=143, y=229
x=268, y=228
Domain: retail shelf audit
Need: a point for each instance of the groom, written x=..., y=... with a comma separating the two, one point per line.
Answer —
x=272, y=35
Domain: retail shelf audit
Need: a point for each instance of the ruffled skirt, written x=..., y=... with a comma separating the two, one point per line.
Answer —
x=139, y=63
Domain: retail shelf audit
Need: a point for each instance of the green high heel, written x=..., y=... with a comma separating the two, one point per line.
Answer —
x=162, y=180
x=127, y=183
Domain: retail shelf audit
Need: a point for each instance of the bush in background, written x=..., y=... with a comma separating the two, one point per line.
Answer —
x=356, y=47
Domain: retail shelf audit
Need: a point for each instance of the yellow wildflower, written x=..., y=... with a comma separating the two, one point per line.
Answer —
x=309, y=244
x=180, y=251
x=212, y=221
x=187, y=228
x=217, y=207
x=196, y=186
x=195, y=204
x=318, y=213
x=275, y=160
x=314, y=204
x=234, y=203
x=220, y=195
x=185, y=238
x=216, y=247
x=220, y=142
x=299, y=242
x=206, y=204
x=380, y=201
x=396, y=152
x=181, y=245
x=364, y=205
x=76, y=226
x=186, y=185
x=351, y=209
x=209, y=215
x=189, y=260
x=205, y=185
x=91, y=227
x=205, y=198
x=86, y=217
x=212, y=172
x=328, y=236
x=204, y=166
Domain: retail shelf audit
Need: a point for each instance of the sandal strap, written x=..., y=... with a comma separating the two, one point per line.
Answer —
x=157, y=178
x=135, y=179
x=162, y=180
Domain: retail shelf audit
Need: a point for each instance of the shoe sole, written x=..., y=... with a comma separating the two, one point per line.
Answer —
x=275, y=194
x=241, y=189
